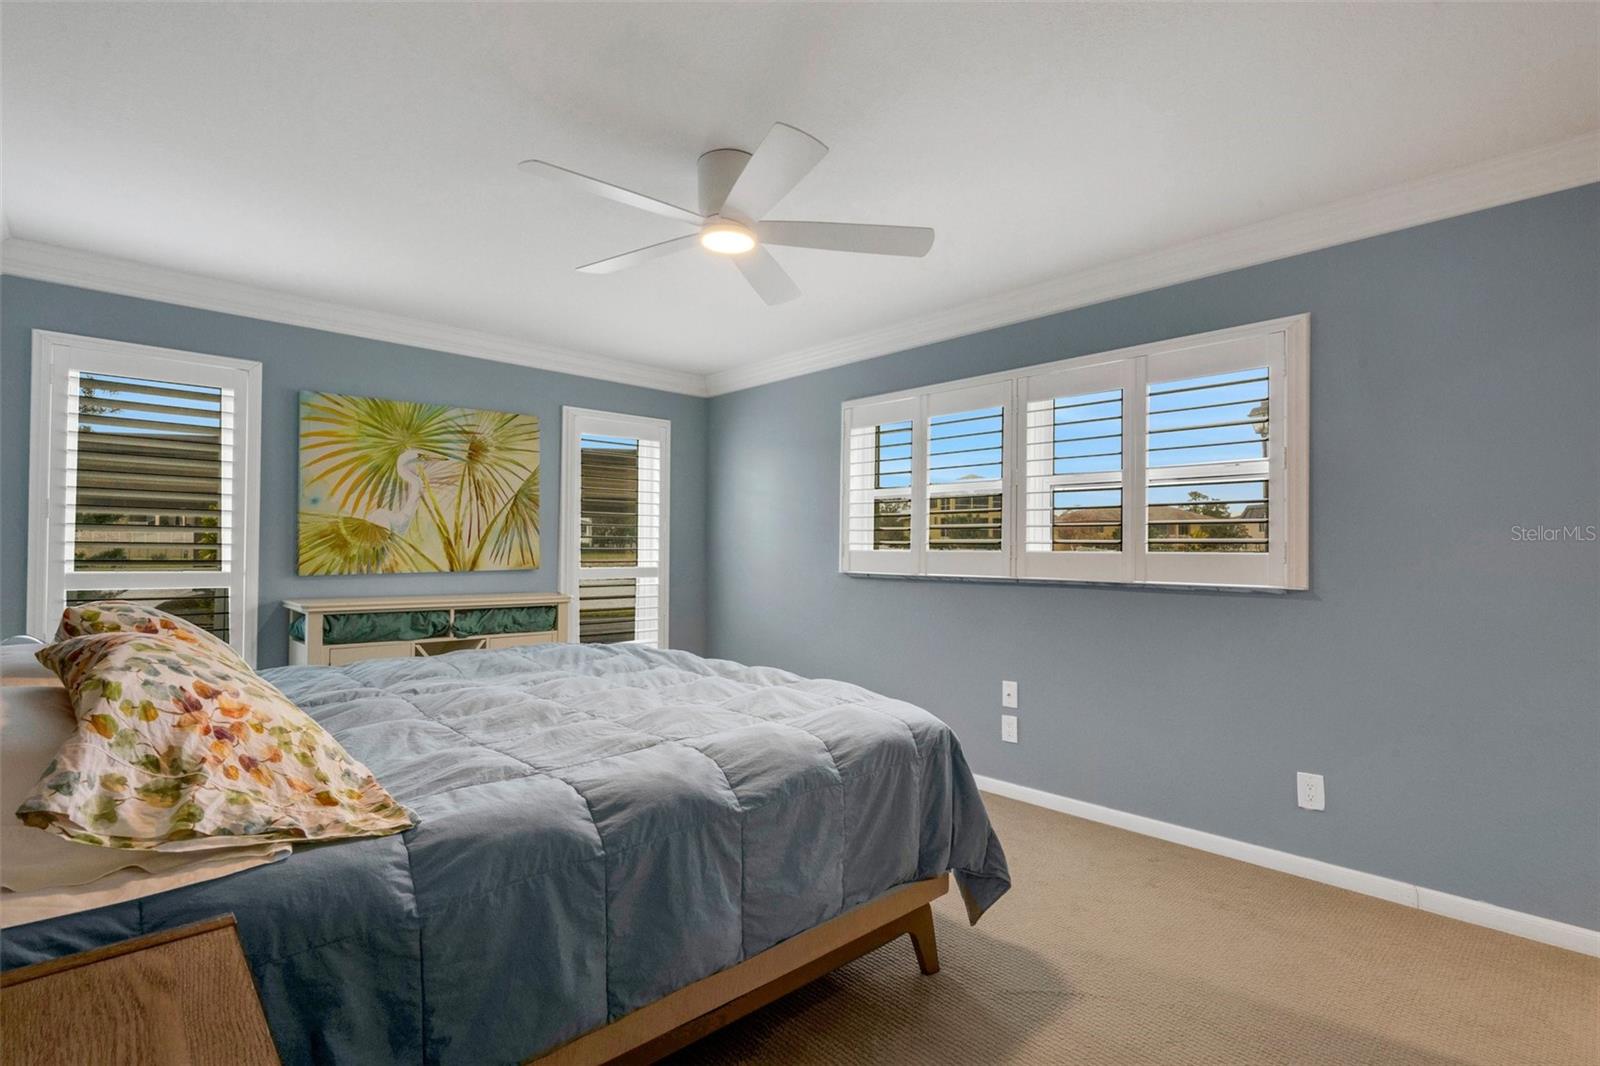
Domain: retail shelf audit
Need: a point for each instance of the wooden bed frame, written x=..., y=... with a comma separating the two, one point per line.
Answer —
x=679, y=1019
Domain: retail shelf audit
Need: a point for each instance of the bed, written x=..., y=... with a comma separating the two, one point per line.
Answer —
x=601, y=830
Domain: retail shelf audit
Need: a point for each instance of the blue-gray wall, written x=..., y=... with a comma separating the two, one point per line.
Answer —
x=1443, y=675
x=293, y=359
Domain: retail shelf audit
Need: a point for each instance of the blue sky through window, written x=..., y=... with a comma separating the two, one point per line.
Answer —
x=1088, y=433
x=894, y=456
x=1213, y=418
x=99, y=394
x=965, y=446
x=595, y=441
x=1216, y=418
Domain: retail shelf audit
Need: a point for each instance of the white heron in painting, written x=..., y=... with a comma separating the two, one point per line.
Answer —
x=397, y=519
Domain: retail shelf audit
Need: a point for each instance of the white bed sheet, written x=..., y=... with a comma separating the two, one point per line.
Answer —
x=43, y=875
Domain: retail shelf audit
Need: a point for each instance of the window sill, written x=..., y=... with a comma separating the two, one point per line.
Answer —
x=1155, y=586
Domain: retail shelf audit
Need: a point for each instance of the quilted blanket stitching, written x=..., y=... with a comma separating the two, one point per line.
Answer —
x=860, y=699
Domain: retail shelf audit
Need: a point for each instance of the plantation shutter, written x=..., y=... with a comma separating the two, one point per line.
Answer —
x=1182, y=462
x=142, y=493
x=620, y=527
x=1077, y=515
x=884, y=525
x=1214, y=455
x=966, y=472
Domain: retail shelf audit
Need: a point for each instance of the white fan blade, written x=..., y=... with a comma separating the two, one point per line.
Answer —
x=847, y=237
x=611, y=192
x=640, y=255
x=766, y=276
x=786, y=155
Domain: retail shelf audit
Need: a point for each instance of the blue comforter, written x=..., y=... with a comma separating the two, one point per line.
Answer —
x=596, y=827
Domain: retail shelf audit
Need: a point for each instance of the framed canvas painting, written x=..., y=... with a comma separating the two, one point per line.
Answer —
x=390, y=486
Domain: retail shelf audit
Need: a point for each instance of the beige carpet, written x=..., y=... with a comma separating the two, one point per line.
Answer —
x=1114, y=948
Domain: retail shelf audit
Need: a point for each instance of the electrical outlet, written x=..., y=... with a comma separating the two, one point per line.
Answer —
x=1008, y=693
x=1308, y=791
x=1008, y=728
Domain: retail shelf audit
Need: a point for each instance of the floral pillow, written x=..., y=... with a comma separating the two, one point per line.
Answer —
x=120, y=616
x=179, y=748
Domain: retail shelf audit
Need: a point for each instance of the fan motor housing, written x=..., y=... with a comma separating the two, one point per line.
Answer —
x=719, y=169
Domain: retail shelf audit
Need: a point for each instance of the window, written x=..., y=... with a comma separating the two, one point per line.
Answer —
x=966, y=476
x=1222, y=504
x=881, y=472
x=614, y=525
x=1183, y=462
x=1076, y=465
x=144, y=483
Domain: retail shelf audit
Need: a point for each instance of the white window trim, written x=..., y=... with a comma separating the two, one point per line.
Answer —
x=1288, y=338
x=53, y=354
x=575, y=422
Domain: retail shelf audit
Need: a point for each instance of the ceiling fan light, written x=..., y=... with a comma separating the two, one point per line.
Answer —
x=727, y=238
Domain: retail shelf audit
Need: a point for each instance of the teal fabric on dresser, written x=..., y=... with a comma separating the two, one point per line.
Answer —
x=486, y=621
x=367, y=626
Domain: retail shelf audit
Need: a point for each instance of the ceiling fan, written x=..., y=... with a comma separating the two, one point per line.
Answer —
x=737, y=189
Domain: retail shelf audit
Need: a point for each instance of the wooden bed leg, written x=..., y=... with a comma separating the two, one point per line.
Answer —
x=922, y=938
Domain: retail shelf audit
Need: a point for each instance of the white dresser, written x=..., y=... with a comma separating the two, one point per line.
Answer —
x=332, y=632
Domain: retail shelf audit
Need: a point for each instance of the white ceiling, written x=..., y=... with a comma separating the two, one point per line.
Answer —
x=366, y=154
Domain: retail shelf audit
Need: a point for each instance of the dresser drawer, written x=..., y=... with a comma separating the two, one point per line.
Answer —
x=345, y=654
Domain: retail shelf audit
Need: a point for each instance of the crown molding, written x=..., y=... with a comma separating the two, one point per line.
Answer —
x=88, y=270
x=1521, y=176
x=1548, y=169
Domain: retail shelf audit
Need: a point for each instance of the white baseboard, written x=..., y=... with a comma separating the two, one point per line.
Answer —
x=1477, y=912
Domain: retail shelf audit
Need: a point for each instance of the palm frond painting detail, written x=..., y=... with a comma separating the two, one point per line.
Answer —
x=389, y=486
